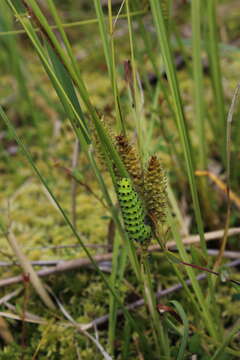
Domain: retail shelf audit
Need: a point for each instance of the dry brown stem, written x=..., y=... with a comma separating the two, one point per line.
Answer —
x=77, y=263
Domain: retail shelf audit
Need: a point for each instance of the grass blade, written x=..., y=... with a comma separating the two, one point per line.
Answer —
x=178, y=109
x=183, y=316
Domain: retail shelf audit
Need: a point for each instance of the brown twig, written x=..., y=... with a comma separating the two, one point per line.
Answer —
x=57, y=247
x=103, y=319
x=227, y=254
x=51, y=263
x=77, y=263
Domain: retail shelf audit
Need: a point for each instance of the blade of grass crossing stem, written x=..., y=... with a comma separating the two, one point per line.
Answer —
x=216, y=77
x=181, y=352
x=178, y=108
x=73, y=23
x=68, y=222
x=196, y=287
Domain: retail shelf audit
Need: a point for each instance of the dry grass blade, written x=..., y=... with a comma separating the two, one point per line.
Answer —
x=221, y=185
x=28, y=269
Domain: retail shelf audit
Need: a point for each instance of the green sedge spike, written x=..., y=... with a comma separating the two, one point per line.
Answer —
x=132, y=211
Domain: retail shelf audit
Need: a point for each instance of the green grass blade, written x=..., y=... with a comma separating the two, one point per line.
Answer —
x=104, y=36
x=67, y=44
x=107, y=37
x=183, y=316
x=196, y=287
x=66, y=84
x=118, y=266
x=216, y=76
x=160, y=334
x=227, y=338
x=178, y=109
x=72, y=24
x=196, y=10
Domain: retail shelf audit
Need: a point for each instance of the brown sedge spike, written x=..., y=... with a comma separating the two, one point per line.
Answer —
x=131, y=161
x=155, y=186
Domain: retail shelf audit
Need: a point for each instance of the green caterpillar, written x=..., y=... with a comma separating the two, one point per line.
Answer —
x=132, y=211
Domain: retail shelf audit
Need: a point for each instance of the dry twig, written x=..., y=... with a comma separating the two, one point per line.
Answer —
x=77, y=263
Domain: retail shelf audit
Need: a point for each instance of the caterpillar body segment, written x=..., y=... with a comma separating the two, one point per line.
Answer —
x=133, y=212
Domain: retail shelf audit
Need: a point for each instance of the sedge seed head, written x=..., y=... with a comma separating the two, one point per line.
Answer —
x=155, y=186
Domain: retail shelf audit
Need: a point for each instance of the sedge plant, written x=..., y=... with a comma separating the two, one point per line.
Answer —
x=140, y=208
